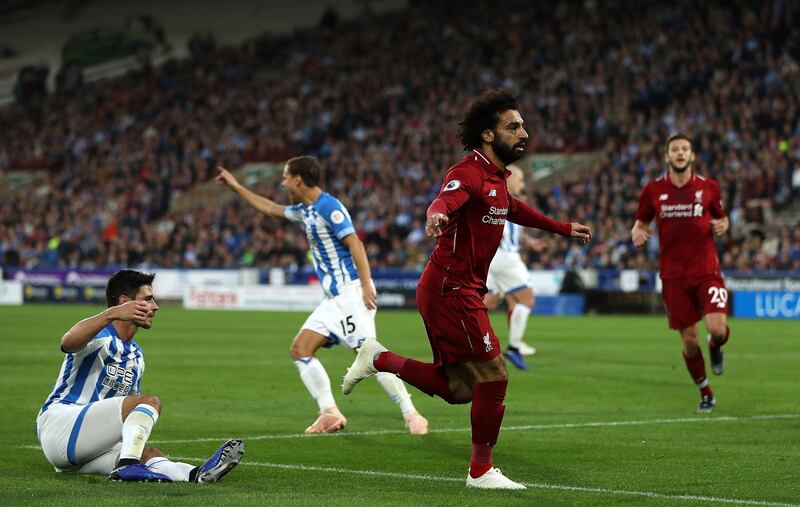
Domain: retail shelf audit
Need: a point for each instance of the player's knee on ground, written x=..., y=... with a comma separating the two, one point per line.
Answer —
x=153, y=401
x=132, y=401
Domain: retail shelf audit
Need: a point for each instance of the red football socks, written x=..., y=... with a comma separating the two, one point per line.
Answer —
x=486, y=416
x=487, y=408
x=481, y=460
x=697, y=369
x=389, y=362
x=427, y=377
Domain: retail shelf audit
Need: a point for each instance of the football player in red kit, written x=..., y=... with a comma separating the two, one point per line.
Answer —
x=688, y=212
x=467, y=218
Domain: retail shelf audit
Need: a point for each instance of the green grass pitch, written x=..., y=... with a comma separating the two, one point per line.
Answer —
x=606, y=416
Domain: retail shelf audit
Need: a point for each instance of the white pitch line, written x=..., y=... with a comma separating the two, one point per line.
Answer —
x=600, y=424
x=533, y=485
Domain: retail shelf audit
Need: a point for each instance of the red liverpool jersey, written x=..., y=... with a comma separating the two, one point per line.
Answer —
x=475, y=198
x=683, y=216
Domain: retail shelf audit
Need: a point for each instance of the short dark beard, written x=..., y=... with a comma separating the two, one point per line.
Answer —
x=505, y=153
x=678, y=169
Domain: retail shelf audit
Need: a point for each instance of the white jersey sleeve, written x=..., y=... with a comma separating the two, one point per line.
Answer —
x=294, y=213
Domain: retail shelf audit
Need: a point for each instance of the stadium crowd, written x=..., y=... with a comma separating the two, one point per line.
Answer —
x=377, y=99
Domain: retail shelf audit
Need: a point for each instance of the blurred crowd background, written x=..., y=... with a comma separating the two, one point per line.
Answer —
x=377, y=99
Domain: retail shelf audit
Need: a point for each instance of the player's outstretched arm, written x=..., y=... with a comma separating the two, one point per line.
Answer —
x=640, y=233
x=522, y=214
x=79, y=335
x=261, y=203
x=359, y=254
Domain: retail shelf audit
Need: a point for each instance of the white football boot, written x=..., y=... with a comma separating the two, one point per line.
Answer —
x=362, y=367
x=493, y=479
x=525, y=349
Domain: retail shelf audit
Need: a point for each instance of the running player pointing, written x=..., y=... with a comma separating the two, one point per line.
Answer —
x=688, y=212
x=468, y=218
x=347, y=315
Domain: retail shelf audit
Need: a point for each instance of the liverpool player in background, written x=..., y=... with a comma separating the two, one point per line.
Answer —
x=468, y=218
x=687, y=210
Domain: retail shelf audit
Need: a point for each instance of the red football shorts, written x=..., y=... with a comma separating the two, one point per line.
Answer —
x=688, y=300
x=458, y=327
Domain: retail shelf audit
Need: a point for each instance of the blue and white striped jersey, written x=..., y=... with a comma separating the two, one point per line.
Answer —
x=106, y=367
x=512, y=234
x=327, y=223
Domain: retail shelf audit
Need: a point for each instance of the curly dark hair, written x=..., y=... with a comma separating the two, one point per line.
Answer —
x=482, y=113
x=126, y=282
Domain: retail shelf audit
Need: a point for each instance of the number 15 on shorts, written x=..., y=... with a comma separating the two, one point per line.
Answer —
x=348, y=326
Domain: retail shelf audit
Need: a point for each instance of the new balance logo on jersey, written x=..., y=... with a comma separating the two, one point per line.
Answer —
x=488, y=342
x=493, y=193
x=663, y=197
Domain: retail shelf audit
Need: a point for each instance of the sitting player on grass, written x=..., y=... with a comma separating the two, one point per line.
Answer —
x=96, y=421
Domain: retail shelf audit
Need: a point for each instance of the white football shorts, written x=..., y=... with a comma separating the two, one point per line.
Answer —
x=344, y=318
x=507, y=273
x=82, y=438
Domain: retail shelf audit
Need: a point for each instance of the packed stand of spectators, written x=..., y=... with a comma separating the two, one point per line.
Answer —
x=377, y=99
